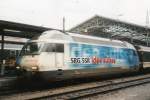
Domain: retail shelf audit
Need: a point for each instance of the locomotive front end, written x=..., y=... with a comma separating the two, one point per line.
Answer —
x=29, y=56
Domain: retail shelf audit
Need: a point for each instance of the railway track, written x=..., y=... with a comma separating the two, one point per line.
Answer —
x=81, y=90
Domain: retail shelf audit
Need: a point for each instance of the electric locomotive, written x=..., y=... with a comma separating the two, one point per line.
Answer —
x=56, y=55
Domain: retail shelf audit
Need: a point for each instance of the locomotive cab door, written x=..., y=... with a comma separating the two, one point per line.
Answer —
x=59, y=56
x=55, y=56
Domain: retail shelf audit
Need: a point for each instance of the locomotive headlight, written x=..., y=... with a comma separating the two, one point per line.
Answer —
x=18, y=67
x=34, y=68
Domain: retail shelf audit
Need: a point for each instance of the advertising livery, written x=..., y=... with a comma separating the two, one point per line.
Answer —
x=94, y=56
x=55, y=55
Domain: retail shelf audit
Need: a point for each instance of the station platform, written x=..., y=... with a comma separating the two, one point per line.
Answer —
x=6, y=82
x=9, y=77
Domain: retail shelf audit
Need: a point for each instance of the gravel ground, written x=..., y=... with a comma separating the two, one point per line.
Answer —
x=141, y=92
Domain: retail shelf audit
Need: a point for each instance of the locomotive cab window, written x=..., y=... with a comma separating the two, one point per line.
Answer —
x=31, y=48
x=49, y=47
x=59, y=47
x=52, y=47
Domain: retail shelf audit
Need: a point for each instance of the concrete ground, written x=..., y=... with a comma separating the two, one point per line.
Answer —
x=141, y=92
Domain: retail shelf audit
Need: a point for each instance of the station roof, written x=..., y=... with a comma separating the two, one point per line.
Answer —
x=112, y=28
x=15, y=29
x=117, y=21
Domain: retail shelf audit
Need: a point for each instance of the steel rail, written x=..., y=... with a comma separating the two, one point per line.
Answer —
x=76, y=94
x=81, y=90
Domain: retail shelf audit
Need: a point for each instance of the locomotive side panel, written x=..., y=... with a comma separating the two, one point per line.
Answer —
x=83, y=60
x=96, y=56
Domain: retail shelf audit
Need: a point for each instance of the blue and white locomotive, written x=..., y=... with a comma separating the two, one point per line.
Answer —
x=55, y=55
